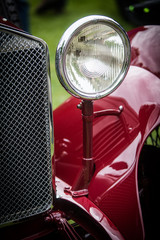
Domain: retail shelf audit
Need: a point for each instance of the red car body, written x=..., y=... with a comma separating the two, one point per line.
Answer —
x=117, y=140
x=112, y=205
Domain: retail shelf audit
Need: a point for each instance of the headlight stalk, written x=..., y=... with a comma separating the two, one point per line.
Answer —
x=92, y=59
x=86, y=174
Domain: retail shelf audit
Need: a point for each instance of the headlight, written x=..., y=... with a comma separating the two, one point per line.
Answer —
x=92, y=57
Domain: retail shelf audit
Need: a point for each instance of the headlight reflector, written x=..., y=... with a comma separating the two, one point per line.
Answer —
x=92, y=57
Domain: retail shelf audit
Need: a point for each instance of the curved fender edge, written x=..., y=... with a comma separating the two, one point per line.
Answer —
x=86, y=213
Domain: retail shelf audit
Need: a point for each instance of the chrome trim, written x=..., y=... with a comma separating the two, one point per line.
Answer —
x=64, y=43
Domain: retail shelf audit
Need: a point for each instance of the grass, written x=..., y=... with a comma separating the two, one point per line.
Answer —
x=50, y=27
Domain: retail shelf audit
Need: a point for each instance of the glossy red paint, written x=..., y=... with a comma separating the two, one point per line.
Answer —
x=146, y=48
x=117, y=139
x=85, y=212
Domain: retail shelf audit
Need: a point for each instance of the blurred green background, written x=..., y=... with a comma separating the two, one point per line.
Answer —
x=50, y=26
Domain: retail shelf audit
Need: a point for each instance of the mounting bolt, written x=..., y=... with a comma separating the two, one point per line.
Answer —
x=79, y=106
x=120, y=108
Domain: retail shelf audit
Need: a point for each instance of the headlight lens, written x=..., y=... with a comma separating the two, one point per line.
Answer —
x=93, y=57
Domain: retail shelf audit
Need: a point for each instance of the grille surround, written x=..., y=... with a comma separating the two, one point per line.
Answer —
x=26, y=127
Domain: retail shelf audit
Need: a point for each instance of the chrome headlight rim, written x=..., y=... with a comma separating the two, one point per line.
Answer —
x=63, y=46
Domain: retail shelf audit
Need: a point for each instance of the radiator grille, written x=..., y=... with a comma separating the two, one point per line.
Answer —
x=25, y=168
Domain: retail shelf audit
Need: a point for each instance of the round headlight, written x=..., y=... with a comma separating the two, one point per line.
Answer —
x=92, y=57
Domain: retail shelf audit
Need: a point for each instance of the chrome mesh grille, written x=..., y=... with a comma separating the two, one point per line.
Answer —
x=25, y=168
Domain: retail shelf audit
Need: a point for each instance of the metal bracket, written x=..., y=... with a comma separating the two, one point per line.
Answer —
x=62, y=225
x=78, y=193
x=107, y=112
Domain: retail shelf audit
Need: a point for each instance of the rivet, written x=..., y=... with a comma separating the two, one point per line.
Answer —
x=121, y=108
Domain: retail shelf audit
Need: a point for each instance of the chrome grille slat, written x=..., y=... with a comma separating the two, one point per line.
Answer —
x=25, y=172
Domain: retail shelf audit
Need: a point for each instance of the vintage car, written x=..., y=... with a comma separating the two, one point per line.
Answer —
x=96, y=176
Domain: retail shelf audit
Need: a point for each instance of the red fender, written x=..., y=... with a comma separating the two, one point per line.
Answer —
x=117, y=141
